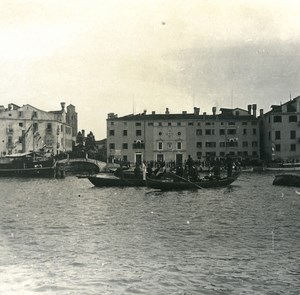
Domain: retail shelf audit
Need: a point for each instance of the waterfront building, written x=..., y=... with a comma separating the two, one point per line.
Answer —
x=280, y=132
x=27, y=128
x=172, y=137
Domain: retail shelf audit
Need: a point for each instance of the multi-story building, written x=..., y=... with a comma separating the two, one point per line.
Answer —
x=280, y=131
x=172, y=137
x=27, y=128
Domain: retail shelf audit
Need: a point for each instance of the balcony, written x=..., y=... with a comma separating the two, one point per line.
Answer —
x=138, y=145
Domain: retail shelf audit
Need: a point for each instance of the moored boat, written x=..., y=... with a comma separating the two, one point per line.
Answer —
x=288, y=179
x=27, y=165
x=110, y=180
x=173, y=183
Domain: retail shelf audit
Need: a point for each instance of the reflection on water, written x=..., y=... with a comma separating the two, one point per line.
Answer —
x=67, y=237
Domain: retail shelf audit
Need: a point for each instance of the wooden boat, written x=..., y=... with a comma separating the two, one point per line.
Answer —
x=173, y=183
x=27, y=165
x=288, y=179
x=110, y=180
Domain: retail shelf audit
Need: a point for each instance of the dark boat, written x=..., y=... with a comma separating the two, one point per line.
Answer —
x=288, y=179
x=27, y=165
x=110, y=180
x=175, y=183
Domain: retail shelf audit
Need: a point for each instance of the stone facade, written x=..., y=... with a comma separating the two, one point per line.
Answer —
x=172, y=137
x=27, y=128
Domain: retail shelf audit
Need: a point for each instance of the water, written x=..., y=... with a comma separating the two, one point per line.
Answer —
x=67, y=237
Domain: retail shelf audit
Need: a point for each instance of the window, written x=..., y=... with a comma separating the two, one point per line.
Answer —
x=222, y=131
x=231, y=123
x=199, y=145
x=269, y=135
x=254, y=131
x=49, y=127
x=210, y=144
x=20, y=124
x=245, y=143
x=125, y=158
x=111, y=132
x=20, y=114
x=277, y=119
x=179, y=145
x=179, y=133
x=222, y=143
x=34, y=114
x=150, y=124
x=293, y=134
x=207, y=123
x=277, y=147
x=125, y=123
x=178, y=123
x=138, y=132
x=159, y=133
x=293, y=147
x=169, y=124
x=138, y=124
x=293, y=118
x=112, y=123
x=159, y=124
x=231, y=131
x=199, y=131
x=254, y=144
x=207, y=131
x=20, y=139
x=199, y=155
x=244, y=131
x=191, y=124
x=277, y=134
x=125, y=132
x=160, y=145
x=125, y=146
x=112, y=146
x=169, y=145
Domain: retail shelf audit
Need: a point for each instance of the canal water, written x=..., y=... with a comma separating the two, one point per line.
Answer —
x=64, y=236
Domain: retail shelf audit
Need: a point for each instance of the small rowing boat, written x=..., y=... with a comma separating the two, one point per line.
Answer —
x=175, y=183
x=288, y=179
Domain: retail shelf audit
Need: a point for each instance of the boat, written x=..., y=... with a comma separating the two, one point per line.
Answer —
x=180, y=183
x=111, y=180
x=279, y=167
x=287, y=179
x=29, y=164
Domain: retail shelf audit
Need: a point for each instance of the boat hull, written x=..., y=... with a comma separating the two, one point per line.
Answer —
x=173, y=184
x=28, y=172
x=109, y=180
x=287, y=180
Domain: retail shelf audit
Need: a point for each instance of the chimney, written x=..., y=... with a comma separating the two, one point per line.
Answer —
x=63, y=104
x=254, y=107
x=83, y=133
x=167, y=111
x=261, y=112
x=153, y=112
x=145, y=112
x=184, y=112
x=196, y=111
x=214, y=110
x=249, y=109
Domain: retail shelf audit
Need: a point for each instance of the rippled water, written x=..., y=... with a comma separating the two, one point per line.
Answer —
x=67, y=237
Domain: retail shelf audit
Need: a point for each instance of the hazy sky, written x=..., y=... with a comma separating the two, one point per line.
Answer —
x=124, y=56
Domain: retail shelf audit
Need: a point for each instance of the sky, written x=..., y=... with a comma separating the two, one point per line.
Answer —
x=128, y=56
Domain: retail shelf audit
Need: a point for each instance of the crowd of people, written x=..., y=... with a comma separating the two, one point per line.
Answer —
x=189, y=170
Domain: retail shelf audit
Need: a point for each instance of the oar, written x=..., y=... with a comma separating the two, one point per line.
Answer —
x=182, y=178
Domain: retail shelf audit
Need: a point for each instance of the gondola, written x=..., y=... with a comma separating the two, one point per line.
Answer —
x=110, y=180
x=179, y=183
